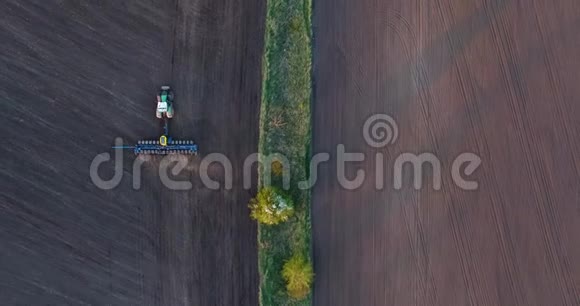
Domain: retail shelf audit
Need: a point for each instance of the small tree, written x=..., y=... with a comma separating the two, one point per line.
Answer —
x=298, y=274
x=271, y=206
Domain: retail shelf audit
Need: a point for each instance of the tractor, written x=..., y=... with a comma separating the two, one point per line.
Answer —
x=165, y=145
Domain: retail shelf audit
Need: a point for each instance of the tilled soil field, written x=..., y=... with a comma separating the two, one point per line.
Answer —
x=495, y=78
x=76, y=75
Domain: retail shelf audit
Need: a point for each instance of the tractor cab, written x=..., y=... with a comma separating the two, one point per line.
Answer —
x=162, y=107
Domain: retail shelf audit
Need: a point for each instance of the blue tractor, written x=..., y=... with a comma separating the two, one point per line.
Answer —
x=165, y=145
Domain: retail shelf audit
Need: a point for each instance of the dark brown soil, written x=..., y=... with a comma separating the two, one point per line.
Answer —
x=497, y=78
x=77, y=74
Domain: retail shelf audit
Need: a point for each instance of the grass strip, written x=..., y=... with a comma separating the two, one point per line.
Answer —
x=285, y=128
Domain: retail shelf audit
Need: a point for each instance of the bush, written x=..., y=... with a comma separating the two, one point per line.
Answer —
x=271, y=206
x=277, y=168
x=298, y=274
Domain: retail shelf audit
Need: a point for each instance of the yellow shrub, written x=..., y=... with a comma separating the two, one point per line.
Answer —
x=277, y=168
x=271, y=206
x=298, y=274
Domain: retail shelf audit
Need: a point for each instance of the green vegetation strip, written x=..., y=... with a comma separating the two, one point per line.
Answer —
x=285, y=128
